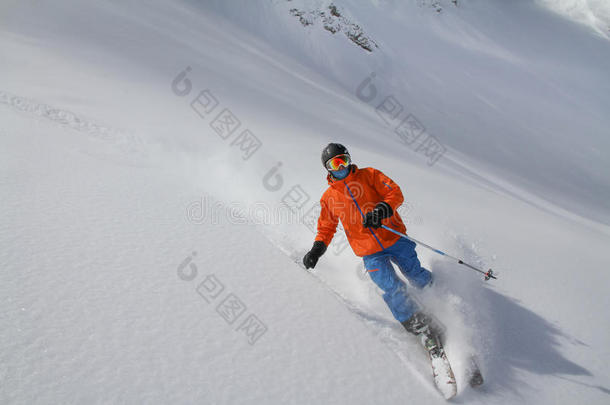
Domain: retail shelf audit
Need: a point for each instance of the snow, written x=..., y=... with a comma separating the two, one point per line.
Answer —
x=594, y=13
x=113, y=183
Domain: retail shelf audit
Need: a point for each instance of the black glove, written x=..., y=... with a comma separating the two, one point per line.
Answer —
x=373, y=218
x=311, y=258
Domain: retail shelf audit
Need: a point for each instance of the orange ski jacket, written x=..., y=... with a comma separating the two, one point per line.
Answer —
x=347, y=200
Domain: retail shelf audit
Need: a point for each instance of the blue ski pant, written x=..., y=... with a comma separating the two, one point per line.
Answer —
x=380, y=269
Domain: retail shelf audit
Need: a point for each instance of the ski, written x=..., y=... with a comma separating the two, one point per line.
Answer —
x=475, y=376
x=444, y=379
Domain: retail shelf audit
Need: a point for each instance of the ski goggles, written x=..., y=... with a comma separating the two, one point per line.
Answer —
x=337, y=162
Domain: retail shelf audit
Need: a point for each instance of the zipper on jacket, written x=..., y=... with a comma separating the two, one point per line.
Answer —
x=361, y=213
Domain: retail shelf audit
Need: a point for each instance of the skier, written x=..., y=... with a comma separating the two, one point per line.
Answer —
x=363, y=200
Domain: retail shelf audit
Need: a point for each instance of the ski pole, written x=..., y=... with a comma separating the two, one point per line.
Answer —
x=488, y=274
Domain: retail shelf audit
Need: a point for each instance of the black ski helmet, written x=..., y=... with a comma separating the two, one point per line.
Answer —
x=332, y=150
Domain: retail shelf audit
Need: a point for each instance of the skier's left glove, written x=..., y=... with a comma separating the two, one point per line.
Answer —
x=373, y=218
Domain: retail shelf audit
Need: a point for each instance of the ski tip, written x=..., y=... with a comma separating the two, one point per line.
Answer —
x=447, y=386
x=476, y=377
x=450, y=395
x=476, y=380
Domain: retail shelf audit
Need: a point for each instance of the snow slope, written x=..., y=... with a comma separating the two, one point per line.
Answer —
x=111, y=180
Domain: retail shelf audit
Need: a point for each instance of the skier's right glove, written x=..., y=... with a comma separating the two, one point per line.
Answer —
x=311, y=258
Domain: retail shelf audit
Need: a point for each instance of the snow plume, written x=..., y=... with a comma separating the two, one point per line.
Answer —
x=594, y=13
